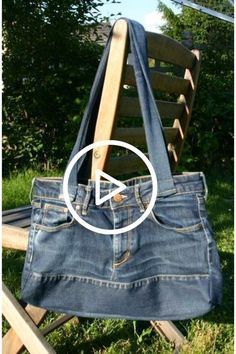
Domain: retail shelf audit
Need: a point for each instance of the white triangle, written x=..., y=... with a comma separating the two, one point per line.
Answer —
x=99, y=174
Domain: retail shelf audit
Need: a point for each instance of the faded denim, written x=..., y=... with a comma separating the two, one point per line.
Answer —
x=167, y=268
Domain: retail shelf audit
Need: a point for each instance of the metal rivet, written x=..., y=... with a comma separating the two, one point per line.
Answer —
x=118, y=198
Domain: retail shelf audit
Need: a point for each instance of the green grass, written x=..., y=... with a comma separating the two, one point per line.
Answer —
x=210, y=334
x=16, y=188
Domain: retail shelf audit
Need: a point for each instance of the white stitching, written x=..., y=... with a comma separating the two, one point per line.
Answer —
x=56, y=228
x=176, y=229
x=205, y=233
x=123, y=285
x=113, y=239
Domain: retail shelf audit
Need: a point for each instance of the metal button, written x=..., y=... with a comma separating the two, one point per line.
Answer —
x=118, y=198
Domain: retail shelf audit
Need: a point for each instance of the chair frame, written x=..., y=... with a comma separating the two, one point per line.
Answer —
x=25, y=321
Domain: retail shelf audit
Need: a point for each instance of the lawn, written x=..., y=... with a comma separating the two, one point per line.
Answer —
x=212, y=333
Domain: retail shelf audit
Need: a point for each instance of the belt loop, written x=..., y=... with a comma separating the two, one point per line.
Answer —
x=31, y=190
x=138, y=199
x=205, y=184
x=86, y=200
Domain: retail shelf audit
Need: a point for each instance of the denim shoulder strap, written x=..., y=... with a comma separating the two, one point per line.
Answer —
x=158, y=154
x=152, y=122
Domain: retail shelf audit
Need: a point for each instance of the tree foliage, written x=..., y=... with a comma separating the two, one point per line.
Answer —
x=49, y=62
x=210, y=138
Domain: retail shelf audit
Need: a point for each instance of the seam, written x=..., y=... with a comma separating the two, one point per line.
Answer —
x=31, y=241
x=28, y=259
x=55, y=228
x=128, y=249
x=46, y=197
x=120, y=206
x=208, y=244
x=205, y=233
x=190, y=228
x=130, y=231
x=113, y=275
x=169, y=190
x=26, y=279
x=58, y=208
x=176, y=229
x=190, y=192
x=123, y=285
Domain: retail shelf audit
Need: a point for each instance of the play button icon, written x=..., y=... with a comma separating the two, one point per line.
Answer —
x=111, y=193
x=99, y=174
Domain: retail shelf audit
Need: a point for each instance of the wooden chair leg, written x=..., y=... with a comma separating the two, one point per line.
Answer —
x=11, y=343
x=169, y=331
x=23, y=325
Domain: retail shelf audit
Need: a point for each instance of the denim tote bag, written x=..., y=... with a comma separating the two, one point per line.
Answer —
x=167, y=268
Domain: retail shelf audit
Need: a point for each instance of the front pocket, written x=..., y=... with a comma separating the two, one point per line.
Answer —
x=53, y=217
x=178, y=213
x=186, y=229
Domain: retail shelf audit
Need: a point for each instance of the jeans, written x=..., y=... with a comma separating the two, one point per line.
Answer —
x=167, y=268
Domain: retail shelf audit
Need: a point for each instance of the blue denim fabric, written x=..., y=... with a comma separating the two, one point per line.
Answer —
x=167, y=268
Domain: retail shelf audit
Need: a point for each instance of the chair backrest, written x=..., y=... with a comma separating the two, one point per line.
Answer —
x=174, y=71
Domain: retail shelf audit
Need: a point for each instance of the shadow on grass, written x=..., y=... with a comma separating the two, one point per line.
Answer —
x=12, y=267
x=122, y=337
x=224, y=312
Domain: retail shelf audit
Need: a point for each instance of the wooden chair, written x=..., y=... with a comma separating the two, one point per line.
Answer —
x=117, y=101
x=119, y=105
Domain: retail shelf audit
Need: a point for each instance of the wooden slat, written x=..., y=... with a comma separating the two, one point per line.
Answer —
x=16, y=210
x=125, y=164
x=23, y=214
x=11, y=343
x=130, y=107
x=108, y=111
x=57, y=323
x=24, y=223
x=160, y=81
x=136, y=136
x=166, y=49
x=22, y=324
x=14, y=237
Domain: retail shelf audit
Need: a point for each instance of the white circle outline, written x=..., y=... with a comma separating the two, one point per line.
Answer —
x=66, y=191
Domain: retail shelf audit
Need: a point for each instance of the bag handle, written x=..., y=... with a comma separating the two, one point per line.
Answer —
x=158, y=154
